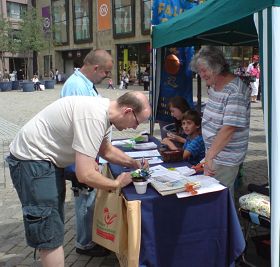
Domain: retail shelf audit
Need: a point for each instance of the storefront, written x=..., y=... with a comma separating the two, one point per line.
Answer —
x=134, y=59
x=73, y=59
x=239, y=56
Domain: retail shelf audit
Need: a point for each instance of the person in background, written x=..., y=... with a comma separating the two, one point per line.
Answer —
x=146, y=79
x=71, y=129
x=255, y=73
x=96, y=67
x=36, y=82
x=6, y=76
x=56, y=75
x=51, y=74
x=177, y=106
x=226, y=117
x=255, y=58
x=194, y=149
x=110, y=84
x=20, y=75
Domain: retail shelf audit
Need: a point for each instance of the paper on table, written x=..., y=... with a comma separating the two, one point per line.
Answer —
x=207, y=184
x=154, y=160
x=144, y=146
x=144, y=153
x=164, y=175
x=121, y=142
x=185, y=170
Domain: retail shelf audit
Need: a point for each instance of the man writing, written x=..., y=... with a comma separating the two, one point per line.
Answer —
x=72, y=129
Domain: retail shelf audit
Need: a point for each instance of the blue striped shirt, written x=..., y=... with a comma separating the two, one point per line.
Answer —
x=231, y=107
x=196, y=148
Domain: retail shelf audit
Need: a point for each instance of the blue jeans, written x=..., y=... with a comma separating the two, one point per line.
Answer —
x=84, y=206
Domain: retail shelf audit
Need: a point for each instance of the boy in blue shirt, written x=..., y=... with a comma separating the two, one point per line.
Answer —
x=194, y=149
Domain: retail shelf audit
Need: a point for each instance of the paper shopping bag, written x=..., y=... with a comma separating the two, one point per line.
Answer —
x=109, y=223
x=129, y=257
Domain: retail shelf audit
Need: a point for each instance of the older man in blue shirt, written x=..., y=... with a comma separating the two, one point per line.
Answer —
x=97, y=66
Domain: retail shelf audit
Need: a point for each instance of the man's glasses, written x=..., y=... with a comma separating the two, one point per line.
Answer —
x=135, y=117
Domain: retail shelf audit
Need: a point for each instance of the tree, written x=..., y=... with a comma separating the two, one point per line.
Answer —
x=31, y=37
x=5, y=30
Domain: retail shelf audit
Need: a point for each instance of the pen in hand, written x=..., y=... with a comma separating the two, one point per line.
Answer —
x=142, y=162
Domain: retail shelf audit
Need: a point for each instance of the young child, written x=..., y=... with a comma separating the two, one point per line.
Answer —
x=194, y=149
x=110, y=84
x=177, y=107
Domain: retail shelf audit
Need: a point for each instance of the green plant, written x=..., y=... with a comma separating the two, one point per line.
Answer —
x=5, y=29
x=140, y=175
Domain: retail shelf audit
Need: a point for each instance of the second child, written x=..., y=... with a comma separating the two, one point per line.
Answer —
x=194, y=149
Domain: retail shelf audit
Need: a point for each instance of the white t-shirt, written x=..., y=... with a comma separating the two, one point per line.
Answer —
x=70, y=124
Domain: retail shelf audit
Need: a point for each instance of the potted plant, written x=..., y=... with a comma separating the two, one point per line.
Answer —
x=140, y=180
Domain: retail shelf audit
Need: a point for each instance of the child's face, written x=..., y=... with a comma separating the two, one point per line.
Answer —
x=176, y=113
x=189, y=127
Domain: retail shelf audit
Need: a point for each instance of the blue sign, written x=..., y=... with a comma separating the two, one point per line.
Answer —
x=173, y=82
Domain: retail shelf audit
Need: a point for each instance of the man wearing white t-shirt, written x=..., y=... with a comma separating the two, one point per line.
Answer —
x=72, y=129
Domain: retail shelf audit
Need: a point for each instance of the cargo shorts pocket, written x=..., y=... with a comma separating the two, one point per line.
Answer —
x=38, y=224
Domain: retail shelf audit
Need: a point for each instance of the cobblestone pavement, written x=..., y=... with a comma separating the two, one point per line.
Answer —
x=16, y=108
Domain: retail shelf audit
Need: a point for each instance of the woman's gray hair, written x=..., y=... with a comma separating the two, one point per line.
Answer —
x=212, y=58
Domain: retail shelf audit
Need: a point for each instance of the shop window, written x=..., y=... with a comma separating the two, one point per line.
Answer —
x=15, y=10
x=123, y=18
x=146, y=16
x=60, y=21
x=82, y=21
x=48, y=65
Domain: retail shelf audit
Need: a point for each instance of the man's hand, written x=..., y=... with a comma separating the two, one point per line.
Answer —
x=137, y=164
x=124, y=179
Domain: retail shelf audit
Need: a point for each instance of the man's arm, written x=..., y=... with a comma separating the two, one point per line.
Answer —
x=117, y=156
x=87, y=173
x=221, y=140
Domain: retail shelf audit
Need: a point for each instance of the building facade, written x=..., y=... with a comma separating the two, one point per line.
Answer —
x=74, y=27
x=13, y=11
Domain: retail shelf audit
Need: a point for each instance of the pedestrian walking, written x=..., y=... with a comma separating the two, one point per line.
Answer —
x=110, y=84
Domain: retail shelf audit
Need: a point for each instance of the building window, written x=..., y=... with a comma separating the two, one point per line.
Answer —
x=15, y=10
x=60, y=21
x=48, y=65
x=146, y=16
x=82, y=21
x=124, y=18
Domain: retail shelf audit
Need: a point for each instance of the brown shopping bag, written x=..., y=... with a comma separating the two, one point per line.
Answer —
x=129, y=257
x=109, y=222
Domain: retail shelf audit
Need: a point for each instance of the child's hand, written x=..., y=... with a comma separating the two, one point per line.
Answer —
x=172, y=136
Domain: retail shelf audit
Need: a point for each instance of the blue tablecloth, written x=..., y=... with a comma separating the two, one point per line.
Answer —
x=197, y=231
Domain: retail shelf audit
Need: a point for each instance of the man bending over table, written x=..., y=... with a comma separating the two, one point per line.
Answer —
x=72, y=129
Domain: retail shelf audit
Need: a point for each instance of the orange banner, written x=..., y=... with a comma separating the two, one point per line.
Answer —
x=104, y=15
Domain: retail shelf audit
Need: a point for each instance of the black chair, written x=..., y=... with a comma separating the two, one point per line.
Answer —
x=255, y=212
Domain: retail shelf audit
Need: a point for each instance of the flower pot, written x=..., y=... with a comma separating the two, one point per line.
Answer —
x=141, y=187
x=15, y=85
x=27, y=86
x=5, y=86
x=49, y=84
